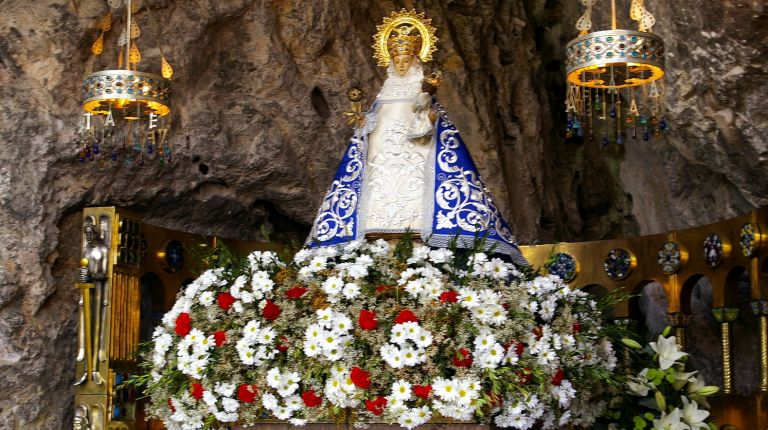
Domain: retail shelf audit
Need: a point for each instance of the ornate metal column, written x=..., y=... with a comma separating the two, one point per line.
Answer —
x=679, y=322
x=725, y=316
x=760, y=309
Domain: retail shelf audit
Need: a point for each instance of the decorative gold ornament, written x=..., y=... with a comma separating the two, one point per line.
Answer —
x=126, y=110
x=98, y=45
x=135, y=55
x=396, y=34
x=355, y=94
x=166, y=68
x=434, y=79
x=612, y=72
x=106, y=22
x=135, y=30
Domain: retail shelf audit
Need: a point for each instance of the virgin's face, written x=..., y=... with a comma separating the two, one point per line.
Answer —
x=402, y=64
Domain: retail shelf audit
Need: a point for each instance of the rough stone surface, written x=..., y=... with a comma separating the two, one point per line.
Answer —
x=258, y=94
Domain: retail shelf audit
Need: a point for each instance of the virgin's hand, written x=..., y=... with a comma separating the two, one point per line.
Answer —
x=355, y=119
x=432, y=115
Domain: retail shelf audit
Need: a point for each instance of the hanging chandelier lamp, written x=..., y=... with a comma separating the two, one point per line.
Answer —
x=615, y=86
x=126, y=116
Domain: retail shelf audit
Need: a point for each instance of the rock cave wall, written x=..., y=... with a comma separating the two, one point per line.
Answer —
x=258, y=94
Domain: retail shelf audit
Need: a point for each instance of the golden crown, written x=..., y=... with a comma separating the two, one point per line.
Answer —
x=404, y=33
x=402, y=42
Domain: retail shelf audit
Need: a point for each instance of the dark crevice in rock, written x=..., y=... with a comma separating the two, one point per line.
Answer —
x=320, y=104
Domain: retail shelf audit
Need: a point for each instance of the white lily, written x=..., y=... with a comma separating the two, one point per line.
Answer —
x=639, y=385
x=693, y=415
x=666, y=347
x=670, y=421
x=682, y=378
x=696, y=384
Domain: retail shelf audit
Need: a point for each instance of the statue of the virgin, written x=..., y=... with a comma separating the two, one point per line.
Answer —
x=406, y=167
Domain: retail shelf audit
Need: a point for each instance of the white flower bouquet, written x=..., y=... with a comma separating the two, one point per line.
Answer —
x=376, y=333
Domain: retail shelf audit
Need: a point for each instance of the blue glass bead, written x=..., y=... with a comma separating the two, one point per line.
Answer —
x=605, y=140
x=95, y=148
x=580, y=132
x=114, y=155
x=620, y=140
x=646, y=134
x=576, y=124
x=613, y=111
x=136, y=147
x=663, y=124
x=150, y=148
x=644, y=119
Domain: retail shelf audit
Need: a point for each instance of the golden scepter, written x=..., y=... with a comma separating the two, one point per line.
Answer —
x=355, y=116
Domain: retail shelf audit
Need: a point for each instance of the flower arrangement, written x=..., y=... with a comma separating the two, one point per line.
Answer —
x=662, y=396
x=371, y=332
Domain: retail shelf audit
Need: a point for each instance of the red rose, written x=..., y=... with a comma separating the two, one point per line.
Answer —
x=367, y=320
x=225, y=300
x=462, y=358
x=283, y=345
x=377, y=405
x=295, y=292
x=519, y=347
x=360, y=377
x=197, y=391
x=558, y=378
x=183, y=324
x=576, y=327
x=170, y=405
x=382, y=288
x=311, y=399
x=246, y=393
x=406, y=316
x=538, y=332
x=271, y=311
x=449, y=296
x=422, y=391
x=219, y=337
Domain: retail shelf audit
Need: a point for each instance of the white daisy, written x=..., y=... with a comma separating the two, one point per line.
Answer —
x=401, y=390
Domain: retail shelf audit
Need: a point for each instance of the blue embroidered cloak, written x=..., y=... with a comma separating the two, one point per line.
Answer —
x=462, y=208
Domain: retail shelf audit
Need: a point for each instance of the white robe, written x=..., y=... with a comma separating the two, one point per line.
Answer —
x=399, y=141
